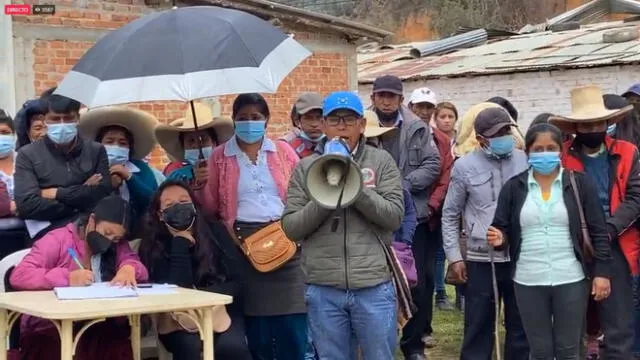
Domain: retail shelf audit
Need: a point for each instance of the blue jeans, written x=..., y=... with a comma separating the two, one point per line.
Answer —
x=439, y=273
x=281, y=337
x=369, y=314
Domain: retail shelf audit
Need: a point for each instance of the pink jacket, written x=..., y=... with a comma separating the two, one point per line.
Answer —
x=219, y=198
x=48, y=265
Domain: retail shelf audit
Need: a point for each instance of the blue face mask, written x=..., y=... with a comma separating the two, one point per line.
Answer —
x=250, y=131
x=304, y=136
x=611, y=130
x=7, y=145
x=118, y=155
x=193, y=155
x=502, y=145
x=544, y=162
x=62, y=133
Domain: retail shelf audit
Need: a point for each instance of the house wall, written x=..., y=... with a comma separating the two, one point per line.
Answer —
x=531, y=93
x=47, y=47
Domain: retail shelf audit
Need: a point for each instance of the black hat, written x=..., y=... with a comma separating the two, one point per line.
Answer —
x=113, y=209
x=490, y=121
x=507, y=105
x=388, y=83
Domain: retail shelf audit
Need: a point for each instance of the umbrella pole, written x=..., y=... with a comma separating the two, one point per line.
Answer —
x=195, y=125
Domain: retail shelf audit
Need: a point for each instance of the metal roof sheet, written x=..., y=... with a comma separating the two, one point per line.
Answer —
x=528, y=52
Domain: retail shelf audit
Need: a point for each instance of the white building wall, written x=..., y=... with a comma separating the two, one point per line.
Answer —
x=531, y=93
x=7, y=79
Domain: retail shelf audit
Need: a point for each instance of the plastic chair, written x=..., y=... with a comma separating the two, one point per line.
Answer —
x=6, y=266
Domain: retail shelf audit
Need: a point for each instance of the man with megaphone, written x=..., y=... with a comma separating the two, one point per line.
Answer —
x=343, y=204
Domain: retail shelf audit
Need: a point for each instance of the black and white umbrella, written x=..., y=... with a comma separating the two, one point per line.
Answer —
x=183, y=54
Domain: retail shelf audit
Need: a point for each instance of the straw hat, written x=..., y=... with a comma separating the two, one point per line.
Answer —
x=139, y=123
x=373, y=128
x=587, y=106
x=169, y=135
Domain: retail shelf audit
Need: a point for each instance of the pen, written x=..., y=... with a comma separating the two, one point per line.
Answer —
x=74, y=256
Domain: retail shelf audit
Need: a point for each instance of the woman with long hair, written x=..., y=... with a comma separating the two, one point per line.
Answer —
x=538, y=218
x=246, y=183
x=182, y=247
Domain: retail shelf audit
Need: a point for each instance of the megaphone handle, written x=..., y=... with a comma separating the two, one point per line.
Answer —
x=336, y=218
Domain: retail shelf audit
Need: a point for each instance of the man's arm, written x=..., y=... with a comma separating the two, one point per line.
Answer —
x=29, y=202
x=83, y=197
x=384, y=206
x=439, y=192
x=454, y=204
x=428, y=172
x=629, y=210
x=301, y=216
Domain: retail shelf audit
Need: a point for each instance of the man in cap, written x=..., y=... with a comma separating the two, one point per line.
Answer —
x=61, y=175
x=633, y=96
x=416, y=155
x=307, y=122
x=423, y=103
x=476, y=180
x=613, y=164
x=349, y=288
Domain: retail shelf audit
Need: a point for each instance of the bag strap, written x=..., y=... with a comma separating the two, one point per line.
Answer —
x=576, y=194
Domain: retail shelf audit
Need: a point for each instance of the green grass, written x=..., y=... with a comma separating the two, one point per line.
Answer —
x=448, y=329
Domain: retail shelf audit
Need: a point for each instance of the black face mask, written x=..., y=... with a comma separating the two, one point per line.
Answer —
x=180, y=216
x=387, y=118
x=591, y=140
x=98, y=243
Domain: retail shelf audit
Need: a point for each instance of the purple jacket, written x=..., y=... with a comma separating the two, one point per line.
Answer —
x=405, y=233
x=48, y=265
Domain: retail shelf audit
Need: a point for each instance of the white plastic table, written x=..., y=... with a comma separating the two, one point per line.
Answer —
x=198, y=305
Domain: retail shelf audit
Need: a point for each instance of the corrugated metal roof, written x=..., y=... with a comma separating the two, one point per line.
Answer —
x=528, y=52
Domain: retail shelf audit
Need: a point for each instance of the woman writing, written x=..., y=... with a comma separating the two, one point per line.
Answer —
x=181, y=247
x=246, y=184
x=538, y=219
x=104, y=254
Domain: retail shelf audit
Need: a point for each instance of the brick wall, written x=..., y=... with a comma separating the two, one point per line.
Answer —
x=327, y=70
x=531, y=93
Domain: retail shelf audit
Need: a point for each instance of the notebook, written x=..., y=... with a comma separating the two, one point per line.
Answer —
x=95, y=291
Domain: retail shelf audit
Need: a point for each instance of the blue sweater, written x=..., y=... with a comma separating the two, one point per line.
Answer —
x=599, y=169
x=410, y=221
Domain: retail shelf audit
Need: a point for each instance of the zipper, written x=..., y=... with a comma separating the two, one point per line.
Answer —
x=346, y=262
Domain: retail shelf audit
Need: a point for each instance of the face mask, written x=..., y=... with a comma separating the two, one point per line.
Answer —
x=193, y=155
x=62, y=133
x=98, y=243
x=250, y=131
x=180, y=217
x=304, y=136
x=502, y=145
x=118, y=155
x=544, y=162
x=7, y=145
x=591, y=140
x=611, y=130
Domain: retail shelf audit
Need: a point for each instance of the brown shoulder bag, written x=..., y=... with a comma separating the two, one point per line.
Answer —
x=587, y=246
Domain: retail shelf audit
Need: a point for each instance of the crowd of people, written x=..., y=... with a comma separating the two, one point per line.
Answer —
x=546, y=220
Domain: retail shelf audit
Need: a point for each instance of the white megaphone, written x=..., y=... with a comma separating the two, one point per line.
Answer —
x=334, y=180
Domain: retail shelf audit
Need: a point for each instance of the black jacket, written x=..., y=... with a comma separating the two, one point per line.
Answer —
x=512, y=198
x=41, y=165
x=177, y=264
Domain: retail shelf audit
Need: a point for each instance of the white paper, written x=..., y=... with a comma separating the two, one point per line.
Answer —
x=95, y=291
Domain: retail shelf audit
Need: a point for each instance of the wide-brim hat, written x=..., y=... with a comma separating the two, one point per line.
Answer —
x=587, y=106
x=140, y=124
x=373, y=128
x=168, y=136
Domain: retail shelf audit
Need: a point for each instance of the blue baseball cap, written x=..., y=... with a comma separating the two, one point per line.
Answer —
x=342, y=100
x=634, y=89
